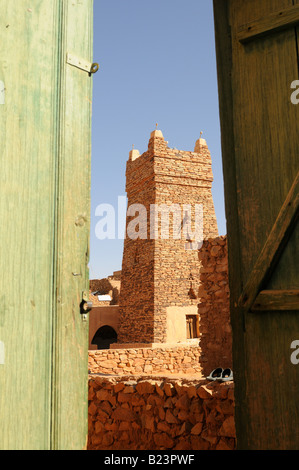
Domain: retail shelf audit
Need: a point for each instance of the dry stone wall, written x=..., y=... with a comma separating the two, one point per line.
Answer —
x=104, y=286
x=212, y=349
x=214, y=346
x=154, y=414
x=136, y=300
x=179, y=359
x=213, y=306
x=158, y=272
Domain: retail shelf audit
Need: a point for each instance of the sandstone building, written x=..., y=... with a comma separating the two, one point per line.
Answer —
x=158, y=301
x=103, y=321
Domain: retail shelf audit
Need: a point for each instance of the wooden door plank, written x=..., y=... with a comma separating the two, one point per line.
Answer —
x=70, y=374
x=266, y=139
x=272, y=381
x=271, y=300
x=226, y=103
x=44, y=207
x=296, y=2
x=257, y=199
x=29, y=70
x=285, y=18
x=277, y=240
x=260, y=151
x=255, y=9
x=267, y=142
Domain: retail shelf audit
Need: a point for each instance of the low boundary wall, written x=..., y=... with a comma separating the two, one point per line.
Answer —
x=183, y=359
x=126, y=413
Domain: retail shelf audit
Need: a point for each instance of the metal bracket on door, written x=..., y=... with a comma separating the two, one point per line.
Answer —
x=86, y=305
x=82, y=64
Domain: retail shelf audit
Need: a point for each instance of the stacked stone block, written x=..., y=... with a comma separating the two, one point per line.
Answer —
x=153, y=414
x=164, y=360
x=214, y=306
x=159, y=275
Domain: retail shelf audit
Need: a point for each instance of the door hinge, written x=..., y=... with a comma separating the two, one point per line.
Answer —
x=82, y=64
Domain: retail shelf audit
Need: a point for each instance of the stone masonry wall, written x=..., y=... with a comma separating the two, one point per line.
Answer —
x=157, y=270
x=180, y=359
x=213, y=307
x=155, y=414
x=104, y=286
x=182, y=178
x=213, y=348
x=136, y=299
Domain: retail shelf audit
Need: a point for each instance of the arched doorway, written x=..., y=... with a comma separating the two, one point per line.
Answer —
x=104, y=336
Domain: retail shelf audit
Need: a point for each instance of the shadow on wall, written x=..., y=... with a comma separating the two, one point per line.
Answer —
x=214, y=308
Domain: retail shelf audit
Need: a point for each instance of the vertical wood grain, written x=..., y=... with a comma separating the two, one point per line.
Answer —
x=28, y=69
x=45, y=124
x=70, y=374
x=264, y=156
x=226, y=105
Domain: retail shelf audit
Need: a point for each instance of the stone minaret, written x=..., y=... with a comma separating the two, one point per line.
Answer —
x=160, y=270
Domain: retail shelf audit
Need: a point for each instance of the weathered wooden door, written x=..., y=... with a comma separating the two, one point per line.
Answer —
x=258, y=63
x=45, y=122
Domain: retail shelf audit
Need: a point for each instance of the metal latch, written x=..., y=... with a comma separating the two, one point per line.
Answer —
x=82, y=64
x=85, y=306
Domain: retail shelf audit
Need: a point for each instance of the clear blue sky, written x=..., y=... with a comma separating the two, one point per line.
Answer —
x=157, y=64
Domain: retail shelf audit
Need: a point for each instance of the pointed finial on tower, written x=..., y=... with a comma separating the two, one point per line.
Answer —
x=157, y=133
x=200, y=143
x=134, y=153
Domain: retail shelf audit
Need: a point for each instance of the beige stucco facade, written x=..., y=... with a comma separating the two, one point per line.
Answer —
x=176, y=322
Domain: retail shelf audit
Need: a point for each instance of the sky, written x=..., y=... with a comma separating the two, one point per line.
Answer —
x=157, y=65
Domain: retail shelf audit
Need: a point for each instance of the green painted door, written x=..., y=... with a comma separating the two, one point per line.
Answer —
x=45, y=148
x=258, y=63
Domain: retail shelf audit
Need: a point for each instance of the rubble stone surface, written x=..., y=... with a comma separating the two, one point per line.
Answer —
x=152, y=413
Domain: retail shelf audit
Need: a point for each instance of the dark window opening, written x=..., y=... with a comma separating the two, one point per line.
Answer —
x=105, y=336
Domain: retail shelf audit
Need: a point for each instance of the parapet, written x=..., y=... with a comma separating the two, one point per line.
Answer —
x=158, y=147
x=134, y=154
x=157, y=134
x=199, y=145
